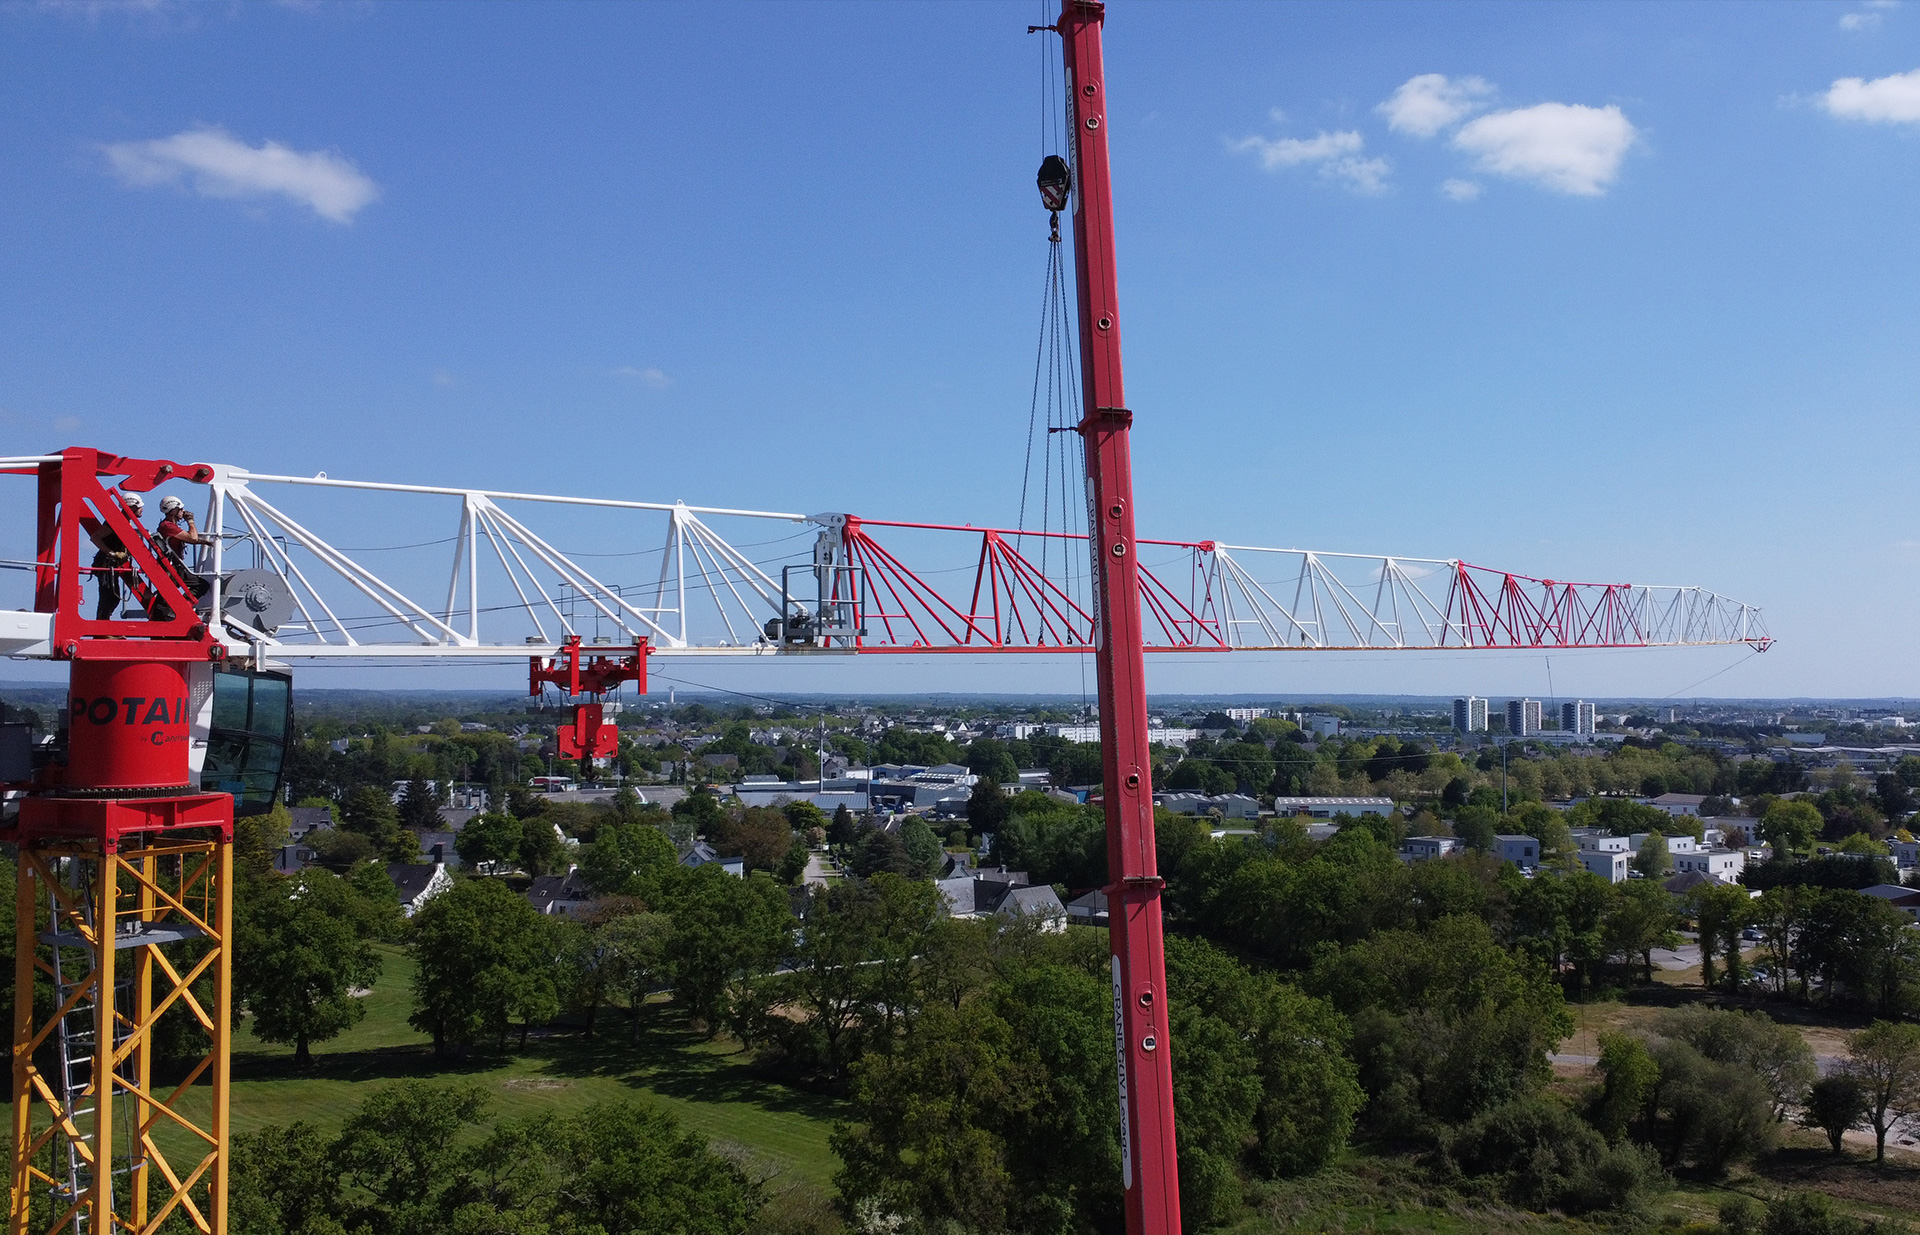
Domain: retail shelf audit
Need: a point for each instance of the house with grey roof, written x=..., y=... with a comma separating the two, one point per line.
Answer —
x=564, y=896
x=418, y=883
x=700, y=853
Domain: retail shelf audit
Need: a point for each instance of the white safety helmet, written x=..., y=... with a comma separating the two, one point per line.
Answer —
x=170, y=504
x=132, y=502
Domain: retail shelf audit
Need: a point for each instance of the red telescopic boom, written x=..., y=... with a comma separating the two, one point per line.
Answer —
x=1148, y=1166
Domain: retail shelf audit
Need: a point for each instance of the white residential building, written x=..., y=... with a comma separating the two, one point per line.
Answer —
x=1611, y=866
x=1425, y=848
x=1676, y=845
x=1523, y=717
x=1723, y=865
x=1522, y=851
x=1577, y=718
x=1470, y=715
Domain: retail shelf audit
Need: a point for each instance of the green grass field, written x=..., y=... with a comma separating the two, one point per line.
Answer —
x=778, y=1132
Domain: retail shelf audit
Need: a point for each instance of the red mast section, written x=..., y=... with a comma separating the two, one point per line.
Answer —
x=1148, y=1166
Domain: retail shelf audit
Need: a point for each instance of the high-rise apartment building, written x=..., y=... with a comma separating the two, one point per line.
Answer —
x=1577, y=717
x=1523, y=717
x=1470, y=715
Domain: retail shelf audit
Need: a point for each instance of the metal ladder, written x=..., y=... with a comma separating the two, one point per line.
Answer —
x=77, y=1043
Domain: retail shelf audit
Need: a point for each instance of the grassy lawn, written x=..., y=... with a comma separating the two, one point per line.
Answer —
x=776, y=1130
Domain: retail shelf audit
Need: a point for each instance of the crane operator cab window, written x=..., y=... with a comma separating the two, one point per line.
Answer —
x=247, y=738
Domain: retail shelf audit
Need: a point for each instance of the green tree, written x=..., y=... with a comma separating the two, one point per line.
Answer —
x=614, y=1168
x=634, y=959
x=482, y=954
x=419, y=807
x=1708, y=1113
x=627, y=859
x=302, y=949
x=488, y=839
x=1642, y=917
x=923, y=847
x=988, y=805
x=1655, y=859
x=1884, y=1059
x=845, y=829
x=1476, y=826
x=760, y=834
x=1447, y=1022
x=1836, y=1105
x=989, y=759
x=1773, y=1052
x=1791, y=826
x=369, y=812
x=726, y=933
x=1631, y=1078
x=394, y=1154
x=1722, y=912
x=542, y=852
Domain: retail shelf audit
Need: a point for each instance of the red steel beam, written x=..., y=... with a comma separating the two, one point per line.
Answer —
x=1148, y=1165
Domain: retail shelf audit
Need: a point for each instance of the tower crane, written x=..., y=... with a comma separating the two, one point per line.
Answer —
x=179, y=709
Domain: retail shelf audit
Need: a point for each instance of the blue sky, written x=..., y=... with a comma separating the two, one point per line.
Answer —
x=1619, y=292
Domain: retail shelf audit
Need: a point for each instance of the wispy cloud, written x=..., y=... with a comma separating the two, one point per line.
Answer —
x=1424, y=105
x=1868, y=15
x=1338, y=156
x=1566, y=147
x=652, y=377
x=1894, y=99
x=1460, y=190
x=217, y=164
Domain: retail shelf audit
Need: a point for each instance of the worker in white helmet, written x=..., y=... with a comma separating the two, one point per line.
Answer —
x=112, y=561
x=176, y=532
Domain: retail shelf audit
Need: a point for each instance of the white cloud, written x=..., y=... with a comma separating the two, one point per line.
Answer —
x=1426, y=104
x=1367, y=176
x=652, y=377
x=1869, y=16
x=1567, y=147
x=1460, y=190
x=1337, y=155
x=1281, y=152
x=217, y=164
x=1894, y=99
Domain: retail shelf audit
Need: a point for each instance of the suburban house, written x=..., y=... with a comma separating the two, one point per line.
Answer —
x=1676, y=845
x=703, y=854
x=418, y=883
x=1897, y=896
x=1677, y=803
x=1600, y=842
x=438, y=847
x=999, y=891
x=563, y=895
x=1906, y=853
x=1328, y=808
x=1522, y=851
x=1088, y=910
x=1722, y=865
x=1424, y=848
x=1610, y=864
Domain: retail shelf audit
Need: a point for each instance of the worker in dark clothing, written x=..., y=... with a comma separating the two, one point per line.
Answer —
x=176, y=534
x=112, y=561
